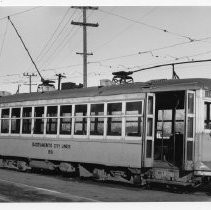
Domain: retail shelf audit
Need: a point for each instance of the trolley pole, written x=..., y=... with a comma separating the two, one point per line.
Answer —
x=60, y=76
x=30, y=79
x=85, y=24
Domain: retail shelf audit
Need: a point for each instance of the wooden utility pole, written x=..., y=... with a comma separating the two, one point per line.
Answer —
x=60, y=76
x=30, y=79
x=85, y=24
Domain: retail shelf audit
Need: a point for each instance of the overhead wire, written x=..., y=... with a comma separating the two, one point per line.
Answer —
x=3, y=41
x=133, y=54
x=19, y=13
x=156, y=49
x=53, y=34
x=123, y=30
x=65, y=41
x=60, y=46
x=58, y=35
x=61, y=32
x=149, y=25
x=152, y=50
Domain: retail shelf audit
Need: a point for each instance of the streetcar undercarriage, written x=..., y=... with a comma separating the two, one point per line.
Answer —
x=169, y=176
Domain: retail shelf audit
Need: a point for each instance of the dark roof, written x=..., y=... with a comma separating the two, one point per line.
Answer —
x=150, y=86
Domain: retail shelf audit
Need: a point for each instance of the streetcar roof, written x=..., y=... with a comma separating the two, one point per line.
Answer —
x=137, y=87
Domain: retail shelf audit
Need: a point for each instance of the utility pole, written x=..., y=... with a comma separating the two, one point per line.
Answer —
x=85, y=24
x=30, y=79
x=60, y=76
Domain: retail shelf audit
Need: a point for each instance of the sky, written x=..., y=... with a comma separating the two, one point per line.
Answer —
x=128, y=38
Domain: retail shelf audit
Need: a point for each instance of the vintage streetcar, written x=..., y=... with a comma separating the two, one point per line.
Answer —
x=145, y=132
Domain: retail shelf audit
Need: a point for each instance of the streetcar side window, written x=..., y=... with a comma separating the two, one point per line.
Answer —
x=114, y=123
x=80, y=127
x=134, y=118
x=97, y=119
x=51, y=124
x=65, y=120
x=5, y=114
x=207, y=115
x=15, y=120
x=39, y=120
x=26, y=120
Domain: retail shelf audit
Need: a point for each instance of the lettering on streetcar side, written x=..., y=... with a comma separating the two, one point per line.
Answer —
x=51, y=147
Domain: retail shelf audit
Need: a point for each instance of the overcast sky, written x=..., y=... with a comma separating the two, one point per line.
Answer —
x=123, y=32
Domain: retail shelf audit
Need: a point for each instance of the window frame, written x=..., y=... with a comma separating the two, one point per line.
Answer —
x=114, y=116
x=87, y=123
x=9, y=118
x=59, y=118
x=23, y=118
x=18, y=118
x=44, y=122
x=98, y=116
x=51, y=135
x=130, y=138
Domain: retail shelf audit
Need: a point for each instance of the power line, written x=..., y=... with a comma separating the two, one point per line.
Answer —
x=148, y=25
x=18, y=13
x=195, y=55
x=46, y=46
x=135, y=54
x=152, y=50
x=60, y=45
x=98, y=62
x=10, y=75
x=62, y=67
x=58, y=35
x=123, y=30
x=65, y=41
x=55, y=31
x=5, y=33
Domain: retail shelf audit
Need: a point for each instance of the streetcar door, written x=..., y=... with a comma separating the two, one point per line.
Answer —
x=189, y=129
x=149, y=130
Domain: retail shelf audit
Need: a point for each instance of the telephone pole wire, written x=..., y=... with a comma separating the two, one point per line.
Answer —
x=85, y=24
x=30, y=79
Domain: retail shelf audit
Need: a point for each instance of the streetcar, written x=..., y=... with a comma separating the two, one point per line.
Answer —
x=144, y=132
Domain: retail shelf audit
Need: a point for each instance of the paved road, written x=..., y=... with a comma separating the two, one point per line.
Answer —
x=28, y=187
